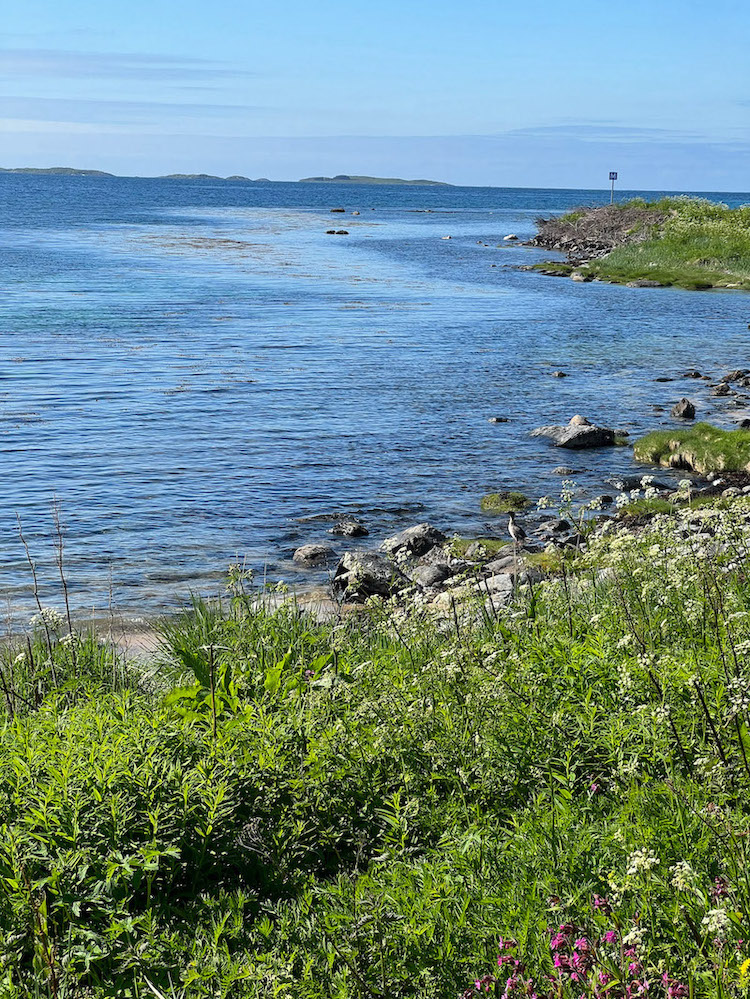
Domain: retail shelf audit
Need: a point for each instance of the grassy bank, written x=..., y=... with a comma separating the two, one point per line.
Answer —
x=686, y=242
x=551, y=802
x=701, y=448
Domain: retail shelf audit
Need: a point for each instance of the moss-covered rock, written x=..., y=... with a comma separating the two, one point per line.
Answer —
x=702, y=448
x=504, y=502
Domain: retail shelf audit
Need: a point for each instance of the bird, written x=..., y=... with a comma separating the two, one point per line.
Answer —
x=515, y=530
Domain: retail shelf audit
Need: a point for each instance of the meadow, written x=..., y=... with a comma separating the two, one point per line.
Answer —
x=685, y=242
x=551, y=800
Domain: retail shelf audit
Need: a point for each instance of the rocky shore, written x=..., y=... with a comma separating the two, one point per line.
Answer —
x=423, y=567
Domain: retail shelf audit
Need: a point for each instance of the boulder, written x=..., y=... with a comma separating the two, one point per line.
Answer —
x=736, y=376
x=564, y=470
x=498, y=419
x=428, y=576
x=684, y=409
x=338, y=209
x=578, y=434
x=510, y=237
x=349, y=527
x=692, y=374
x=721, y=389
x=365, y=574
x=559, y=374
x=314, y=555
x=414, y=540
x=500, y=585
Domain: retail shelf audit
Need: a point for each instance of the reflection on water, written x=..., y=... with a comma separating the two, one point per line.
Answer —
x=199, y=373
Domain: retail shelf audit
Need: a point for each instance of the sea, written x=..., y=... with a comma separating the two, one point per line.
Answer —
x=196, y=374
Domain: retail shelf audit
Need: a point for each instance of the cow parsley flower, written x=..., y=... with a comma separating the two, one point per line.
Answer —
x=641, y=862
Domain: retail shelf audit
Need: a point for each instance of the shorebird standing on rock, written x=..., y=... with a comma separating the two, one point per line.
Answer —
x=516, y=531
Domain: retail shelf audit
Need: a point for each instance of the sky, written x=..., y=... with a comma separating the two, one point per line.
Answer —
x=534, y=93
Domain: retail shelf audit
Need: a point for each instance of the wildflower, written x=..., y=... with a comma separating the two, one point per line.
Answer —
x=683, y=876
x=633, y=940
x=744, y=972
x=601, y=904
x=716, y=922
x=610, y=937
x=48, y=616
x=622, y=500
x=660, y=713
x=738, y=692
x=544, y=502
x=641, y=862
x=719, y=889
x=673, y=988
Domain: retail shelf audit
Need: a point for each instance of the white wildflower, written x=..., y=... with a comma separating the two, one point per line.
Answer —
x=48, y=616
x=660, y=713
x=622, y=500
x=641, y=862
x=683, y=876
x=716, y=922
x=738, y=692
x=635, y=938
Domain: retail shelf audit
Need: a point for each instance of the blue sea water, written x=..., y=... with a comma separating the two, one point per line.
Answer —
x=199, y=374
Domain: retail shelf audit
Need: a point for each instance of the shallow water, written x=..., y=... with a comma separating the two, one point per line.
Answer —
x=198, y=373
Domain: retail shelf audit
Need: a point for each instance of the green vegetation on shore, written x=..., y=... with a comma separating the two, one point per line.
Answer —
x=384, y=805
x=686, y=242
x=701, y=448
x=504, y=502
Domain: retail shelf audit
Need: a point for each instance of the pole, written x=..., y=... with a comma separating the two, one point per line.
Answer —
x=612, y=193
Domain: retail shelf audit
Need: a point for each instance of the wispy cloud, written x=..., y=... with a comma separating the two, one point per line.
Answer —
x=38, y=62
x=58, y=109
x=605, y=132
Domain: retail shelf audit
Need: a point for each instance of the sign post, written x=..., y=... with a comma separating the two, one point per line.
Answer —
x=613, y=178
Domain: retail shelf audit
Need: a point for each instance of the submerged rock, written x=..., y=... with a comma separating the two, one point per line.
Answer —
x=349, y=527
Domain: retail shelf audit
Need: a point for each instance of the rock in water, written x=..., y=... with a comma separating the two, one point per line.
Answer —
x=365, y=574
x=684, y=409
x=314, y=555
x=415, y=540
x=578, y=434
x=349, y=527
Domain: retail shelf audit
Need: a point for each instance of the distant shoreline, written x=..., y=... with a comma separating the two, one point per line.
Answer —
x=234, y=178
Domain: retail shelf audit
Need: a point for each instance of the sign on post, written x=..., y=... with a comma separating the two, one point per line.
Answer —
x=613, y=178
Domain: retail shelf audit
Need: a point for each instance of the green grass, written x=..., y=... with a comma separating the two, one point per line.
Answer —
x=701, y=245
x=363, y=809
x=504, y=502
x=702, y=448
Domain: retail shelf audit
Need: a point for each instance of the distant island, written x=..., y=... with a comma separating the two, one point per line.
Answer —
x=345, y=178
x=341, y=178
x=59, y=171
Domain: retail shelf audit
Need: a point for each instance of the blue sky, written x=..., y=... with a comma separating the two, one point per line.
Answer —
x=537, y=93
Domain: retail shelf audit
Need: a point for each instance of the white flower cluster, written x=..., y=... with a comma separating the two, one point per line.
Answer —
x=660, y=714
x=683, y=876
x=635, y=938
x=48, y=616
x=641, y=862
x=738, y=692
x=716, y=922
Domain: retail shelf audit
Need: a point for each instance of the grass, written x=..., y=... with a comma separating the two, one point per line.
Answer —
x=698, y=244
x=383, y=806
x=504, y=502
x=702, y=448
x=701, y=245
